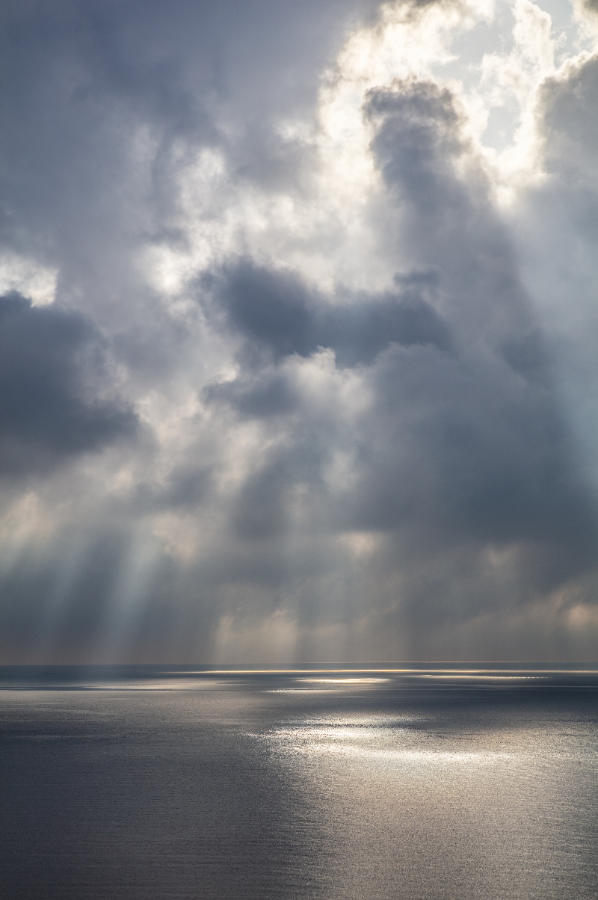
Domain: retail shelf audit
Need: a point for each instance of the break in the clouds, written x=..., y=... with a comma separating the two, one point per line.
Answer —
x=298, y=330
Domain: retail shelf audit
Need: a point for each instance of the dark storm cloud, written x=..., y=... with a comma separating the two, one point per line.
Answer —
x=448, y=220
x=275, y=312
x=270, y=393
x=271, y=308
x=417, y=141
x=46, y=356
x=463, y=447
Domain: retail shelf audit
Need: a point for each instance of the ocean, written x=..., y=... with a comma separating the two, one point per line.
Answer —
x=428, y=782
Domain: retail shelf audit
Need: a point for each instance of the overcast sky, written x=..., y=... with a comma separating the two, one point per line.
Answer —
x=298, y=330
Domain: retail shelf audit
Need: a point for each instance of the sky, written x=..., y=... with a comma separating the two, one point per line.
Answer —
x=298, y=331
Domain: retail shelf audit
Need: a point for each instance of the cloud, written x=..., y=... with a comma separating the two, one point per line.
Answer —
x=462, y=446
x=46, y=355
x=557, y=229
x=589, y=5
x=103, y=98
x=277, y=313
x=315, y=366
x=565, y=102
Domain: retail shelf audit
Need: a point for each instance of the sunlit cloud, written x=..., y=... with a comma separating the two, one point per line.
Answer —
x=298, y=333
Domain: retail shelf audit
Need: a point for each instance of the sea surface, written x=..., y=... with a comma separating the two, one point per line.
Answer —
x=433, y=782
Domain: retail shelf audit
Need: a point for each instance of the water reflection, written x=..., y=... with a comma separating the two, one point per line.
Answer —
x=312, y=783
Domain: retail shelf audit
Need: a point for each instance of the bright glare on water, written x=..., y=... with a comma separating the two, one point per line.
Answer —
x=424, y=784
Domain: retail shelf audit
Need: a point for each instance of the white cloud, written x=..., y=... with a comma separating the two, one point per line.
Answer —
x=28, y=277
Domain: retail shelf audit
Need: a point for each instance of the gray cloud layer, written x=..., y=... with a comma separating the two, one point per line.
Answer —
x=46, y=355
x=259, y=462
x=278, y=315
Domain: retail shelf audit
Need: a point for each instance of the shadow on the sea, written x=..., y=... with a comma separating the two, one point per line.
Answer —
x=147, y=796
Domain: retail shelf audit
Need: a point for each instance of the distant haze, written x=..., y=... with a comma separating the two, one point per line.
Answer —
x=298, y=330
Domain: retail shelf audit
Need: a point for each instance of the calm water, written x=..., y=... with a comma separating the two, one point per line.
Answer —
x=166, y=782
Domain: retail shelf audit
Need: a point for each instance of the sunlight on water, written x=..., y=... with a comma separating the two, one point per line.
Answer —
x=179, y=783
